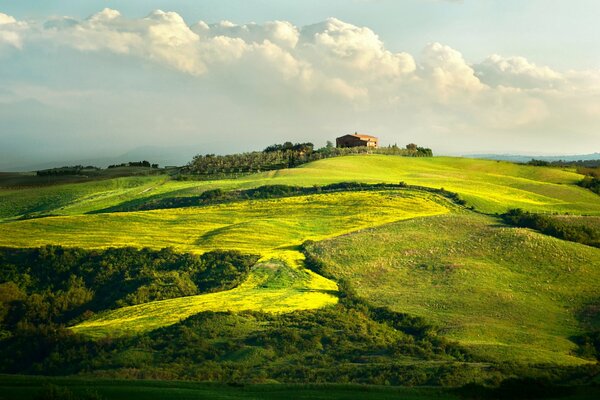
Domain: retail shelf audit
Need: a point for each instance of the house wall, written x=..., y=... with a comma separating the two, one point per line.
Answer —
x=351, y=141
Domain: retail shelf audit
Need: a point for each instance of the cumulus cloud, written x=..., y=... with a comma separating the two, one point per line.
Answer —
x=447, y=70
x=517, y=72
x=333, y=69
x=10, y=31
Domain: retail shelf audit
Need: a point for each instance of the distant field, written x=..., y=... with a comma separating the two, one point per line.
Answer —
x=506, y=293
x=490, y=186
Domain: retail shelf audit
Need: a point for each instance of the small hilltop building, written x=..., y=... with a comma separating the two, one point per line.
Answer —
x=357, y=140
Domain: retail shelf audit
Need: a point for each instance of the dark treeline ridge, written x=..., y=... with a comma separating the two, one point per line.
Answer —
x=585, y=230
x=563, y=163
x=219, y=196
x=144, y=163
x=591, y=180
x=279, y=156
x=68, y=170
x=53, y=285
x=90, y=170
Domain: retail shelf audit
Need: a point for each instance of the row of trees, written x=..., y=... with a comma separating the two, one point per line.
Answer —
x=68, y=170
x=90, y=169
x=286, y=155
x=144, y=163
x=220, y=196
x=592, y=183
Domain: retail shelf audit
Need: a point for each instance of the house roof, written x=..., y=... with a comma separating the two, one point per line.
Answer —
x=364, y=136
x=361, y=137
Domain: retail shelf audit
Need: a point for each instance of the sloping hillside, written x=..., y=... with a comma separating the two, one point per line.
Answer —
x=490, y=186
x=506, y=293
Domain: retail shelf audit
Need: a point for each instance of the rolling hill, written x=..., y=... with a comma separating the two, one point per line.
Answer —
x=490, y=186
x=504, y=294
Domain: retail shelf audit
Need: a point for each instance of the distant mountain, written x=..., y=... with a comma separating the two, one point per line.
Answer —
x=523, y=159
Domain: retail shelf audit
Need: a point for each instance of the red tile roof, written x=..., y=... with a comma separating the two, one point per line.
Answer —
x=364, y=136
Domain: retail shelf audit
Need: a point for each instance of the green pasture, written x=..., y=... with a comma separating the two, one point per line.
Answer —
x=505, y=293
x=490, y=186
x=271, y=228
x=272, y=287
x=78, y=197
x=257, y=226
x=33, y=387
x=508, y=294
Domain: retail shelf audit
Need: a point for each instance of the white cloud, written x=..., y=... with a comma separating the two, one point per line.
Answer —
x=11, y=31
x=6, y=19
x=517, y=72
x=334, y=70
x=446, y=68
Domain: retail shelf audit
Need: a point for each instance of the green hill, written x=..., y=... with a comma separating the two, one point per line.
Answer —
x=490, y=186
x=505, y=293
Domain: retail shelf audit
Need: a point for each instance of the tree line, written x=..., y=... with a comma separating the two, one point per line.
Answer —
x=68, y=170
x=286, y=155
x=220, y=196
x=145, y=164
x=591, y=180
x=90, y=169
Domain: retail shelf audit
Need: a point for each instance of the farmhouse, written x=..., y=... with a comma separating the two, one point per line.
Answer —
x=356, y=140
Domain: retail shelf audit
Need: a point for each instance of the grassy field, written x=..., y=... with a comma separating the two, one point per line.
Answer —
x=272, y=228
x=33, y=387
x=505, y=293
x=263, y=226
x=272, y=287
x=490, y=186
x=508, y=294
x=23, y=388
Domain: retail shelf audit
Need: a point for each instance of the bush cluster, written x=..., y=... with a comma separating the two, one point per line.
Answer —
x=53, y=285
x=553, y=226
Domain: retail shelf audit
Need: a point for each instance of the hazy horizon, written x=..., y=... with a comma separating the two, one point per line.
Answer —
x=104, y=78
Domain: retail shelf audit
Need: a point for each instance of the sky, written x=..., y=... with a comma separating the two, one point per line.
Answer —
x=96, y=79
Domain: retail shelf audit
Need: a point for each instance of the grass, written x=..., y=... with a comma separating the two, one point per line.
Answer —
x=272, y=287
x=272, y=228
x=264, y=226
x=34, y=387
x=30, y=387
x=490, y=186
x=508, y=294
